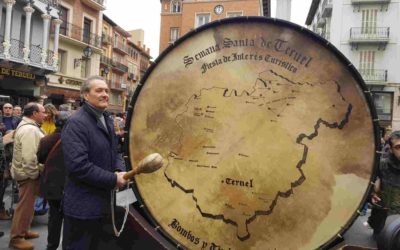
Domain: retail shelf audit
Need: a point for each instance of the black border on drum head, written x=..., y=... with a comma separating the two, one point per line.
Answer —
x=256, y=19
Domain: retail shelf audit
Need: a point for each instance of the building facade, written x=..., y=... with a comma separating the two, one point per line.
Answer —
x=25, y=55
x=181, y=16
x=114, y=63
x=366, y=32
x=123, y=62
x=79, y=51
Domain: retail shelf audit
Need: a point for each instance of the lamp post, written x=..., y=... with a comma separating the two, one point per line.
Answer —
x=87, y=53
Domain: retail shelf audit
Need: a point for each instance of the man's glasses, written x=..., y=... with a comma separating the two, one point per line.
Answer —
x=7, y=107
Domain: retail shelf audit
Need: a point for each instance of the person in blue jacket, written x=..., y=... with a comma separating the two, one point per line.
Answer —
x=94, y=167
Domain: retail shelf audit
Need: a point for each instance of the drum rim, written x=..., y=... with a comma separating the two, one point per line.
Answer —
x=334, y=240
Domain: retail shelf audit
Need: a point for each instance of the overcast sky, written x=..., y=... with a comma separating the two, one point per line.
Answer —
x=145, y=14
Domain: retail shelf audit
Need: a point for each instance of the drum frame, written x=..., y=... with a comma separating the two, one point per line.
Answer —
x=263, y=20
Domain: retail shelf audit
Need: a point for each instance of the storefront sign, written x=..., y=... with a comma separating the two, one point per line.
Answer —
x=16, y=73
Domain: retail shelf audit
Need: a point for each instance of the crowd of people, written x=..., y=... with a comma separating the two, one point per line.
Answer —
x=70, y=158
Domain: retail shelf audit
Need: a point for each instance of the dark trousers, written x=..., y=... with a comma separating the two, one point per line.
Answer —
x=3, y=186
x=81, y=234
x=54, y=225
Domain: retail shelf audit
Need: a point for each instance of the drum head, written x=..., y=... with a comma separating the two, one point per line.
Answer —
x=268, y=133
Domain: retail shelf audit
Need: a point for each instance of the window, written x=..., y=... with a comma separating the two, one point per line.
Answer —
x=116, y=40
x=64, y=19
x=174, y=34
x=3, y=23
x=87, y=26
x=383, y=103
x=234, y=14
x=85, y=68
x=367, y=63
x=368, y=25
x=62, y=61
x=202, y=19
x=114, y=98
x=176, y=6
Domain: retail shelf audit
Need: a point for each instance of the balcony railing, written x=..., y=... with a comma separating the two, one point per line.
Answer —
x=75, y=32
x=105, y=39
x=96, y=4
x=370, y=34
x=119, y=66
x=116, y=85
x=326, y=8
x=116, y=65
x=17, y=48
x=53, y=3
x=374, y=76
x=370, y=1
x=106, y=60
x=35, y=54
x=121, y=47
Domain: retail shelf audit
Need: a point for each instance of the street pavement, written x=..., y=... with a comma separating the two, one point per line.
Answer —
x=358, y=233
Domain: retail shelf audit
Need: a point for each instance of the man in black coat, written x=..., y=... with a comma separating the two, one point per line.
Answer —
x=94, y=168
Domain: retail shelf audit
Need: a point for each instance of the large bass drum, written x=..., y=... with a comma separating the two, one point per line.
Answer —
x=269, y=136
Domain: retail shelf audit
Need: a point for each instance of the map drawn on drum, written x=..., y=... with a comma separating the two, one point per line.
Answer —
x=268, y=134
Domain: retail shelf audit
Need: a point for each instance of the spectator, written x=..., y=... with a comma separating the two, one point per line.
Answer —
x=25, y=170
x=386, y=196
x=93, y=164
x=7, y=120
x=49, y=125
x=17, y=112
x=53, y=179
x=2, y=181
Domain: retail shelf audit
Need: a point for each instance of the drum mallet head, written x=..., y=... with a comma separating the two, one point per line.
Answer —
x=149, y=164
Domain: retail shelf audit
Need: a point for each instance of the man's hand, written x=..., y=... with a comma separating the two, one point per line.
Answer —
x=121, y=182
x=375, y=199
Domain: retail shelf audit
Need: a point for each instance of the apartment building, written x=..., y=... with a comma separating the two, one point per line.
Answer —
x=181, y=16
x=366, y=32
x=79, y=49
x=125, y=59
x=25, y=55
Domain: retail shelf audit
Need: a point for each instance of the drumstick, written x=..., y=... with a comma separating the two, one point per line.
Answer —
x=149, y=164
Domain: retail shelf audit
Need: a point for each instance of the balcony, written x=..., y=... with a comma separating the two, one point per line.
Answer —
x=369, y=1
x=76, y=33
x=383, y=3
x=326, y=8
x=105, y=39
x=120, y=47
x=35, y=55
x=119, y=66
x=99, y=5
x=116, y=85
x=374, y=76
x=379, y=35
x=112, y=63
x=106, y=61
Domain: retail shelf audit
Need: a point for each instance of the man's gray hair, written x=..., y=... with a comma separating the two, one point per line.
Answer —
x=85, y=88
